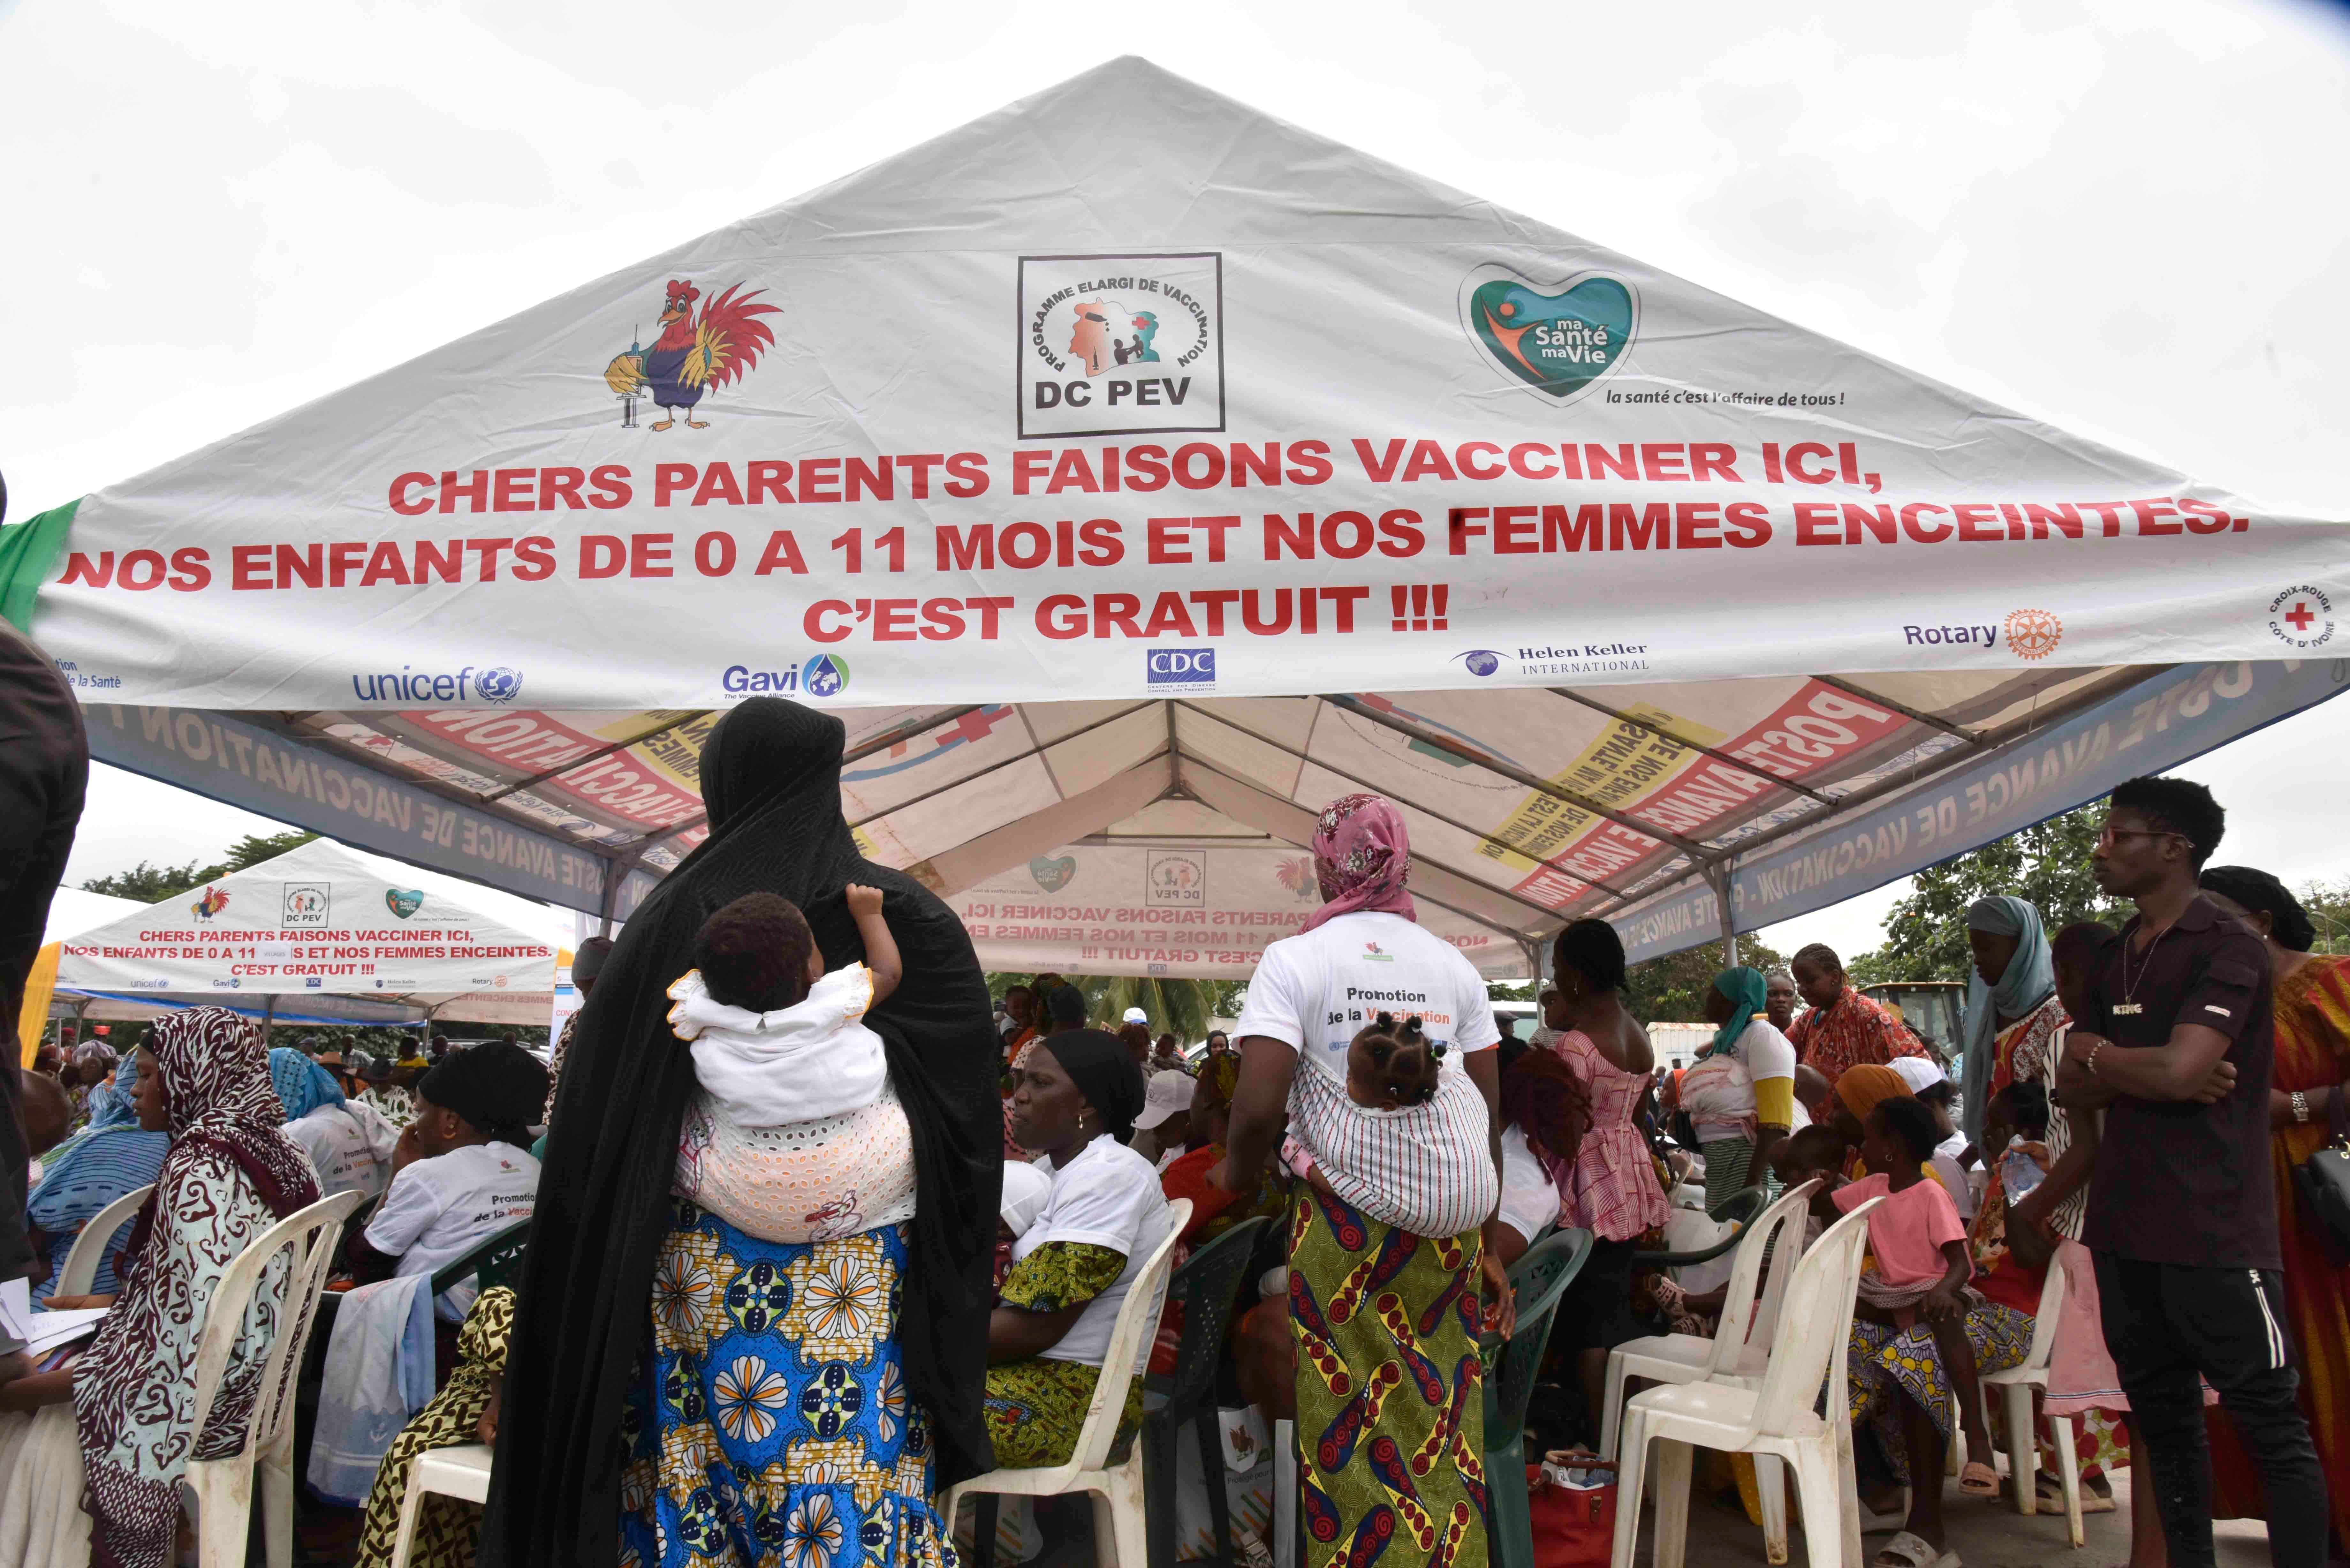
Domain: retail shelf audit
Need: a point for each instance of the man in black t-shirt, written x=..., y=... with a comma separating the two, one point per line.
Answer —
x=2175, y=1048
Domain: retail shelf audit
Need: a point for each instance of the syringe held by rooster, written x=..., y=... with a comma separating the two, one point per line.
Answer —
x=693, y=353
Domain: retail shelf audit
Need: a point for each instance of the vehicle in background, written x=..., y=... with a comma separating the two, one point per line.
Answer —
x=1933, y=1010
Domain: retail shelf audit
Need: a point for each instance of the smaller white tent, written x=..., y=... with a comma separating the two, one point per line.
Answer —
x=319, y=920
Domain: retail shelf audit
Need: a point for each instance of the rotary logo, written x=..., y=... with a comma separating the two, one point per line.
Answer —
x=2033, y=633
x=1120, y=344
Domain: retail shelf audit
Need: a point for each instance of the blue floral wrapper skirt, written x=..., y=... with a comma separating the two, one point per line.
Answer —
x=769, y=1426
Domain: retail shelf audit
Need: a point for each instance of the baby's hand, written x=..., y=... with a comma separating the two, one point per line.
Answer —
x=863, y=901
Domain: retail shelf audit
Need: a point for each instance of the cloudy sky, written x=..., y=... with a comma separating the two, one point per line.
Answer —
x=2131, y=219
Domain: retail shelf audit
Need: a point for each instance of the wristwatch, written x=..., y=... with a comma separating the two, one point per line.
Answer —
x=2299, y=1105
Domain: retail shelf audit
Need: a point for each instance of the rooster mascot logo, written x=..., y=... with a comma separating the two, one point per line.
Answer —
x=693, y=353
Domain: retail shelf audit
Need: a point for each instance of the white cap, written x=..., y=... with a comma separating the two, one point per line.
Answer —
x=1025, y=1188
x=1135, y=1016
x=1167, y=1094
x=1918, y=1071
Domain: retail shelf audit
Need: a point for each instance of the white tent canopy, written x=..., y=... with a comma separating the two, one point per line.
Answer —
x=319, y=920
x=1134, y=473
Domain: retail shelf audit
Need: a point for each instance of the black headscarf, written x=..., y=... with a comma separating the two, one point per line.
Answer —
x=500, y=1089
x=771, y=779
x=1104, y=1072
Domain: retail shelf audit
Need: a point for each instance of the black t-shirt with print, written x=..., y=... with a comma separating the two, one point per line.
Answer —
x=2177, y=1181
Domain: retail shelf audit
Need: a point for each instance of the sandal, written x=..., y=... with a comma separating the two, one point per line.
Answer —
x=1978, y=1479
x=2048, y=1496
x=1910, y=1549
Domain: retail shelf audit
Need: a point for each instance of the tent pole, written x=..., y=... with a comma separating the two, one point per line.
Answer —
x=1719, y=875
x=268, y=1011
x=614, y=870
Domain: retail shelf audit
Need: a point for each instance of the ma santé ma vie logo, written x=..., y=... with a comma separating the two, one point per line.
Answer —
x=1559, y=340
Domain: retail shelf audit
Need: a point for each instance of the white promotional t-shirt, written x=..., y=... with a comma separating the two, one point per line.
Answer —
x=1315, y=991
x=349, y=1146
x=1106, y=1197
x=438, y=1210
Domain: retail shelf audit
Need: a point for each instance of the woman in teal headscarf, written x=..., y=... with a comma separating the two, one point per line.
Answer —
x=2014, y=979
x=1720, y=1093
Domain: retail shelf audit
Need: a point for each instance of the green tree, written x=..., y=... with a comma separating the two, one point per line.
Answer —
x=1672, y=990
x=2045, y=864
x=153, y=884
x=2328, y=904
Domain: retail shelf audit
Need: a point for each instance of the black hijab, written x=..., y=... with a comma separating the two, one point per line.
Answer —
x=1104, y=1072
x=771, y=779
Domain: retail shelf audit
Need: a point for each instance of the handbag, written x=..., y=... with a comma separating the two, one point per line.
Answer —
x=1574, y=1526
x=2323, y=1181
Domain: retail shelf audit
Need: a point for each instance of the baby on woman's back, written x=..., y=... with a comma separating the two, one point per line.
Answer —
x=795, y=1135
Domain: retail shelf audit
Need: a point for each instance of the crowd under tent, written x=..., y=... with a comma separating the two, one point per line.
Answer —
x=1133, y=473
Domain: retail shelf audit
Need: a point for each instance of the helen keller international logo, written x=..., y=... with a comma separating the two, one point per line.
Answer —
x=1120, y=344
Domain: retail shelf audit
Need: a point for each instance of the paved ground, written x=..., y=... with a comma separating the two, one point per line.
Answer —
x=1984, y=1536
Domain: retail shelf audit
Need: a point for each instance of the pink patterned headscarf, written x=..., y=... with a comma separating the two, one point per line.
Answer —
x=1362, y=857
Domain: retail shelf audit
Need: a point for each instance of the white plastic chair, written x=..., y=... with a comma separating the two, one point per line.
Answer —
x=1119, y=1532
x=1776, y=1419
x=1738, y=1351
x=89, y=1249
x=463, y=1471
x=2017, y=1382
x=224, y=1487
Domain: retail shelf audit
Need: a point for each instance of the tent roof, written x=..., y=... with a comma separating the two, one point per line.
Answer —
x=1773, y=757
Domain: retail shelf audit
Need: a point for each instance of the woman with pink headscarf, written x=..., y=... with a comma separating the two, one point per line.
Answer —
x=1359, y=956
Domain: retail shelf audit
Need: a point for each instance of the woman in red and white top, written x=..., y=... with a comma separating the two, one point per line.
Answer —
x=1611, y=1190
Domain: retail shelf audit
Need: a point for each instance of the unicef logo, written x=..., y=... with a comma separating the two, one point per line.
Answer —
x=826, y=675
x=1481, y=661
x=498, y=684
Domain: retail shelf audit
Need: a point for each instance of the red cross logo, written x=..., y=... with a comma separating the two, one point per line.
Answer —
x=975, y=726
x=2301, y=615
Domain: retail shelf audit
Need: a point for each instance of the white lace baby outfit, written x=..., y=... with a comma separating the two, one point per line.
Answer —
x=794, y=1134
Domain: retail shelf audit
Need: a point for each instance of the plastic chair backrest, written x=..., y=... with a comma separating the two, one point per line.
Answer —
x=310, y=1235
x=501, y=1265
x=497, y=1243
x=1741, y=1207
x=1206, y=1286
x=1814, y=1323
x=1749, y=1317
x=1138, y=1316
x=1537, y=1283
x=2043, y=1321
x=89, y=1248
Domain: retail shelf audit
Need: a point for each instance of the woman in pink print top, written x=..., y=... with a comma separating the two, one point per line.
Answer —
x=1612, y=1189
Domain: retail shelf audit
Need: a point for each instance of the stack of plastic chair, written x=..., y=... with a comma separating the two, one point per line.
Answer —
x=1116, y=1489
x=1537, y=1283
x=1205, y=1286
x=224, y=1487
x=1774, y=1419
x=1737, y=1353
x=2017, y=1382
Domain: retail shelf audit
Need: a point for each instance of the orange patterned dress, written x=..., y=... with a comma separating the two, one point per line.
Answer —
x=2313, y=1055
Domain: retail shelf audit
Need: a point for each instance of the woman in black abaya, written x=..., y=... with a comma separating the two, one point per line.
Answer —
x=584, y=1330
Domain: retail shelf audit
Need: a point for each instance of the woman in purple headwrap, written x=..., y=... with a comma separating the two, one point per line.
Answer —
x=1368, y=1211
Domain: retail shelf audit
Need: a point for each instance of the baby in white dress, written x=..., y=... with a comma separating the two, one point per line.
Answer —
x=794, y=1134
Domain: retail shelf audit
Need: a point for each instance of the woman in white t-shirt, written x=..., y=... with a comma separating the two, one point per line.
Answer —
x=1075, y=1100
x=349, y=1146
x=1741, y=1093
x=1361, y=1285
x=1546, y=1111
x=461, y=1172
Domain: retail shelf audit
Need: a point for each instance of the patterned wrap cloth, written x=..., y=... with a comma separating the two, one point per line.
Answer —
x=445, y=1526
x=1390, y=1388
x=230, y=1174
x=1851, y=1030
x=770, y=1422
x=1036, y=1407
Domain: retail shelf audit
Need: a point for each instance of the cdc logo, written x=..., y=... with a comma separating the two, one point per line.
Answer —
x=1180, y=667
x=498, y=685
x=1481, y=661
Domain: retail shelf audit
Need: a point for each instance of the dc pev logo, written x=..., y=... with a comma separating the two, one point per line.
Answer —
x=1113, y=345
x=1166, y=667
